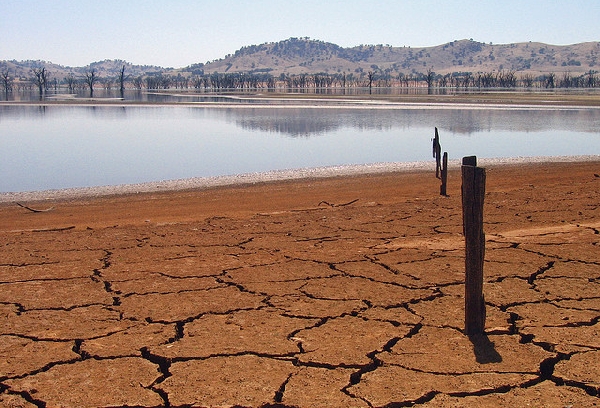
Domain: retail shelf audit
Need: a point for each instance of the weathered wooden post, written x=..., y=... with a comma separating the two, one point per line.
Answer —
x=437, y=153
x=473, y=192
x=441, y=167
x=444, y=174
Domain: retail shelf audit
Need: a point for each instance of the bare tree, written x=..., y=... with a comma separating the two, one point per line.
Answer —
x=591, y=80
x=430, y=77
x=371, y=76
x=566, y=81
x=138, y=82
x=91, y=77
x=122, y=80
x=6, y=81
x=40, y=79
x=527, y=80
x=549, y=80
x=71, y=81
x=443, y=81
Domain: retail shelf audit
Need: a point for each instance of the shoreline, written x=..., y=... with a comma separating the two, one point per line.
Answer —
x=374, y=106
x=321, y=104
x=237, y=180
x=518, y=98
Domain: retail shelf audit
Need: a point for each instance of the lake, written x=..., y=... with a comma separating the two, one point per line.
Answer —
x=62, y=146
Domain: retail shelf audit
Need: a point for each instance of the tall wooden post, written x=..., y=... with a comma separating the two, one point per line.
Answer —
x=437, y=153
x=473, y=192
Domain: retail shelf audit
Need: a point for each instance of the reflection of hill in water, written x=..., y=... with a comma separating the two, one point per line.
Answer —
x=306, y=122
x=290, y=122
x=314, y=121
x=468, y=121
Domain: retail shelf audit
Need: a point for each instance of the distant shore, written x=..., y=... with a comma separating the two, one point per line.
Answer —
x=488, y=98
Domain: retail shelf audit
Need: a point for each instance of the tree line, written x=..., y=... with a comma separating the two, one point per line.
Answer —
x=42, y=80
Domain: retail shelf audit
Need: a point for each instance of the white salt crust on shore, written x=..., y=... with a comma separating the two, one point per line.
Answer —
x=275, y=175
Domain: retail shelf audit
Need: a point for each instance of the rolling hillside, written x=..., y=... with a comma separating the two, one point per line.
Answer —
x=306, y=56
x=104, y=69
x=302, y=55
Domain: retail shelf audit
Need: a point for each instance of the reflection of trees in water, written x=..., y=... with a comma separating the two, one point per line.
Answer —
x=99, y=112
x=306, y=122
x=468, y=121
x=294, y=124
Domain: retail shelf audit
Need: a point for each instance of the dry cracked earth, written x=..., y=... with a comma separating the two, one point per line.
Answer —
x=353, y=302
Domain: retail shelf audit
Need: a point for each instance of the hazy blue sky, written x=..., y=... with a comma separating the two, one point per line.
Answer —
x=176, y=33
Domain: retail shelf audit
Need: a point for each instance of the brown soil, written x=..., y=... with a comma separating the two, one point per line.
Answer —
x=333, y=292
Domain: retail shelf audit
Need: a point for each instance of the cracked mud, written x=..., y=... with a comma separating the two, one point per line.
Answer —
x=261, y=295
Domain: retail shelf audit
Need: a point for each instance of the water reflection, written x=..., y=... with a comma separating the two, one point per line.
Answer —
x=294, y=122
x=43, y=147
x=308, y=122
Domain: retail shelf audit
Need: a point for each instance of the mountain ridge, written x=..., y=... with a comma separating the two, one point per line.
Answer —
x=302, y=55
x=296, y=56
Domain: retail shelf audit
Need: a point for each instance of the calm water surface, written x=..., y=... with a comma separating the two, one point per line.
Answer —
x=77, y=146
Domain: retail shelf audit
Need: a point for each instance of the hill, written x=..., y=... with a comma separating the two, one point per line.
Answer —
x=105, y=69
x=303, y=55
x=297, y=56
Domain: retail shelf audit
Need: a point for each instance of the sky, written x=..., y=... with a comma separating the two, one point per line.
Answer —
x=177, y=33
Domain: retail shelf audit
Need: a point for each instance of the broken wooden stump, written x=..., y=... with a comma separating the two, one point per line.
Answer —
x=444, y=174
x=441, y=165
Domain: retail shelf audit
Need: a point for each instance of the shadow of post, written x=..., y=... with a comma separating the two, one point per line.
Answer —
x=485, y=352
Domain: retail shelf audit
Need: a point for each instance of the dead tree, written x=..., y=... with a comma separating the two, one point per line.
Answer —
x=71, y=81
x=40, y=79
x=91, y=77
x=122, y=80
x=371, y=77
x=549, y=80
x=591, y=80
x=138, y=82
x=430, y=78
x=527, y=80
x=6, y=81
